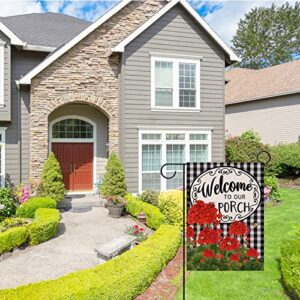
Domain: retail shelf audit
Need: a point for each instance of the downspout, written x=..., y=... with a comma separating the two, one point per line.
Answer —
x=19, y=134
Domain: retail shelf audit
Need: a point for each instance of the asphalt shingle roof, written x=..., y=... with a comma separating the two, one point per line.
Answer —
x=246, y=84
x=45, y=29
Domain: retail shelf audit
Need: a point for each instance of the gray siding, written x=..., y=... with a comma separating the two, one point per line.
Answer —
x=5, y=113
x=21, y=63
x=277, y=120
x=174, y=33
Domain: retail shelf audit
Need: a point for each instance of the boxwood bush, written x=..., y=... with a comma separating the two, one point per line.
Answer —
x=12, y=238
x=290, y=267
x=27, y=210
x=9, y=202
x=122, y=278
x=44, y=226
x=170, y=204
x=153, y=215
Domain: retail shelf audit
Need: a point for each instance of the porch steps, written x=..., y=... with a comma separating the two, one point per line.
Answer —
x=81, y=203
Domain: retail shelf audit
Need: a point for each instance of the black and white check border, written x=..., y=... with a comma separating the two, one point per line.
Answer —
x=255, y=221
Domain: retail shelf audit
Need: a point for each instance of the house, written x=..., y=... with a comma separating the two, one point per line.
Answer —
x=146, y=80
x=266, y=101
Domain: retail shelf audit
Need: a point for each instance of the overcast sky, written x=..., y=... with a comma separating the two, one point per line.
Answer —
x=223, y=16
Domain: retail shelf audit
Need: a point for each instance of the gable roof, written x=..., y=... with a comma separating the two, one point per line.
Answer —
x=26, y=80
x=42, y=29
x=121, y=46
x=248, y=85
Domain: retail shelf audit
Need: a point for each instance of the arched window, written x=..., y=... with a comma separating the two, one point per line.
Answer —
x=72, y=129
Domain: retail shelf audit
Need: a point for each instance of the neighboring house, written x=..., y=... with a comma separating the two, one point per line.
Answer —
x=145, y=80
x=266, y=101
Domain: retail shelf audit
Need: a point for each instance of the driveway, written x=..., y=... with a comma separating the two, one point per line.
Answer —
x=71, y=250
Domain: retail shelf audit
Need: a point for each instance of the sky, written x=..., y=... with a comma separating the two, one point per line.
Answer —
x=222, y=16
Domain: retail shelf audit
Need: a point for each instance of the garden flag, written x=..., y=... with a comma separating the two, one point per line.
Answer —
x=225, y=216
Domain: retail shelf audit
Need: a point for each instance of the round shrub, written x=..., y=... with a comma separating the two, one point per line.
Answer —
x=170, y=204
x=27, y=210
x=7, y=199
x=150, y=197
x=13, y=238
x=272, y=182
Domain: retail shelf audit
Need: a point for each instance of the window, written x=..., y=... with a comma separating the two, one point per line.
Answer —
x=2, y=73
x=160, y=147
x=2, y=156
x=72, y=129
x=175, y=83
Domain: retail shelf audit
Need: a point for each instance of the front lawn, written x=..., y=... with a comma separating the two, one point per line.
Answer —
x=210, y=285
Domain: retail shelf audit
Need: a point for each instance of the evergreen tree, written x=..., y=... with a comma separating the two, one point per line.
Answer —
x=52, y=183
x=114, y=178
x=268, y=36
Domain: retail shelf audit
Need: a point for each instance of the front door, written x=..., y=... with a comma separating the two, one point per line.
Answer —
x=76, y=162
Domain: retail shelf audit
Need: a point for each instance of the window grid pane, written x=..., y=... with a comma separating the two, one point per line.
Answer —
x=72, y=128
x=151, y=181
x=175, y=154
x=198, y=153
x=163, y=97
x=175, y=182
x=163, y=83
x=187, y=85
x=151, y=158
x=175, y=136
x=198, y=137
x=151, y=136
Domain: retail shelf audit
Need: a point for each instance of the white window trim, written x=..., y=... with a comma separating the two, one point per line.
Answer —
x=2, y=145
x=66, y=140
x=163, y=141
x=2, y=67
x=175, y=61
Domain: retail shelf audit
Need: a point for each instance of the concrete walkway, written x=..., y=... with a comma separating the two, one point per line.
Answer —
x=71, y=250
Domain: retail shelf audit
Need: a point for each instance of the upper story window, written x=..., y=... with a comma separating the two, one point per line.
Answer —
x=2, y=44
x=175, y=83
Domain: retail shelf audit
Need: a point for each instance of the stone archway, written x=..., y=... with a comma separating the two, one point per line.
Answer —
x=39, y=115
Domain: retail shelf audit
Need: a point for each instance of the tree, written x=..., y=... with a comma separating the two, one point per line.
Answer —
x=268, y=36
x=52, y=183
x=114, y=178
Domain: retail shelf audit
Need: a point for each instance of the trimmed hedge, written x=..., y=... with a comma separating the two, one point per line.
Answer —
x=122, y=278
x=12, y=238
x=290, y=267
x=44, y=226
x=170, y=204
x=27, y=210
x=153, y=215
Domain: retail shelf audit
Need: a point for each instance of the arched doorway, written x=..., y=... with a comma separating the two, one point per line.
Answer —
x=73, y=141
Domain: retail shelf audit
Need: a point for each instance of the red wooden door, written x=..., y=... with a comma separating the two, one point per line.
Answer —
x=76, y=162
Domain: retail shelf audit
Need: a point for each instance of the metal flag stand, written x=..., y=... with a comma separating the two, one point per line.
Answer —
x=183, y=165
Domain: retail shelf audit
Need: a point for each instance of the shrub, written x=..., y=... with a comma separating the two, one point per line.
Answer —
x=12, y=238
x=290, y=267
x=285, y=160
x=153, y=215
x=27, y=210
x=114, y=178
x=9, y=202
x=244, y=148
x=52, y=184
x=122, y=278
x=170, y=204
x=272, y=182
x=12, y=222
x=150, y=197
x=44, y=226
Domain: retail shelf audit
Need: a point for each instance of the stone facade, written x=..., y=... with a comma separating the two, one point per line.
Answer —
x=84, y=74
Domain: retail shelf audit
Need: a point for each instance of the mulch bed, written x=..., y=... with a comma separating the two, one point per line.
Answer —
x=168, y=281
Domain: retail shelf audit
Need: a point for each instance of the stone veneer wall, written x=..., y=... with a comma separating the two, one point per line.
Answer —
x=84, y=74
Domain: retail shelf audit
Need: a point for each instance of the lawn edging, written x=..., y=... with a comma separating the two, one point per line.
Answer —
x=124, y=277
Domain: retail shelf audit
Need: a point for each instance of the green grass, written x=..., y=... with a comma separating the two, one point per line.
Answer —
x=248, y=285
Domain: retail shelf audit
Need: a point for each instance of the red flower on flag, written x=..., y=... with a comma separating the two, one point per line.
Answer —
x=253, y=253
x=209, y=236
x=229, y=244
x=190, y=233
x=208, y=253
x=238, y=228
x=235, y=257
